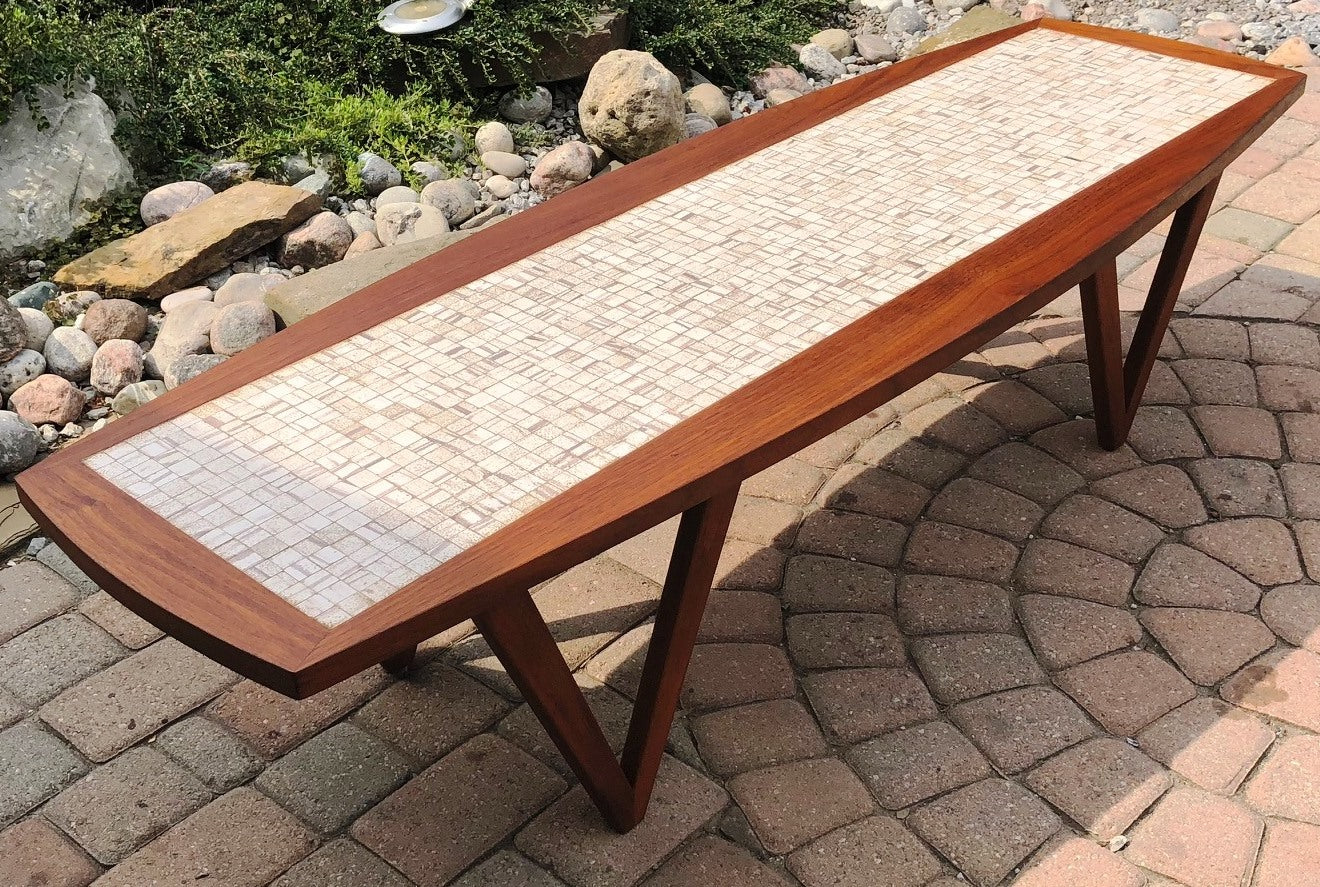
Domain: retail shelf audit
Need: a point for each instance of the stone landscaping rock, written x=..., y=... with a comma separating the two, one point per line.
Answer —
x=193, y=244
x=397, y=194
x=377, y=173
x=872, y=48
x=183, y=297
x=1161, y=21
x=563, y=168
x=38, y=326
x=190, y=366
x=494, y=136
x=321, y=240
x=1293, y=53
x=227, y=174
x=406, y=222
x=632, y=105
x=169, y=200
x=57, y=158
x=504, y=164
x=69, y=353
x=529, y=108
x=428, y=171
x=65, y=308
x=319, y=183
x=186, y=330
x=905, y=20
x=21, y=369
x=48, y=400
x=364, y=242
x=13, y=331
x=501, y=187
x=244, y=287
x=115, y=319
x=35, y=295
x=817, y=61
x=779, y=77
x=697, y=125
x=19, y=442
x=241, y=326
x=118, y=363
x=974, y=23
x=135, y=395
x=781, y=96
x=453, y=197
x=837, y=41
x=709, y=100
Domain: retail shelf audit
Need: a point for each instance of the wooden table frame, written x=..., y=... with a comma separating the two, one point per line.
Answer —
x=694, y=468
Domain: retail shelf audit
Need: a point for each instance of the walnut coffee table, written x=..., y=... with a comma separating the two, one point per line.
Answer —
x=430, y=448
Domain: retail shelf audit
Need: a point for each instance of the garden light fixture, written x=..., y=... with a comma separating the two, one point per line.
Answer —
x=421, y=16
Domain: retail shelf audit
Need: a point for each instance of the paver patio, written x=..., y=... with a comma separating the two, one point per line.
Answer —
x=953, y=638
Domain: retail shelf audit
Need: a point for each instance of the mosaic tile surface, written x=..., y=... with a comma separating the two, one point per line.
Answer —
x=341, y=478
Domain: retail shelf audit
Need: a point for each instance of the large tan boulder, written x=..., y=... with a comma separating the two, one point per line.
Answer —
x=192, y=244
x=632, y=105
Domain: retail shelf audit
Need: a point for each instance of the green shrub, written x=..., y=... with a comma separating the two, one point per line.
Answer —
x=39, y=44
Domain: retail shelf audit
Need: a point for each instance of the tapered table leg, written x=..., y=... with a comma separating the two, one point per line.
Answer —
x=520, y=638
x=1117, y=384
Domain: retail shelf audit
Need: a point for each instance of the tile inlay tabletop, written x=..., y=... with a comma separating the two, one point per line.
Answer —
x=349, y=465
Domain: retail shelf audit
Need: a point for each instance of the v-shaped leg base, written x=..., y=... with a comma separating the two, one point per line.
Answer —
x=1117, y=384
x=621, y=789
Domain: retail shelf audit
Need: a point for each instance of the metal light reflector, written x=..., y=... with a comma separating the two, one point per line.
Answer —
x=421, y=16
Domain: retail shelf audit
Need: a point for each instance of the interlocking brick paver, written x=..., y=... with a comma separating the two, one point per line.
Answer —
x=1240, y=487
x=853, y=704
x=1027, y=471
x=947, y=550
x=1015, y=350
x=791, y=480
x=1126, y=691
x=216, y=756
x=750, y=737
x=956, y=425
x=31, y=593
x=273, y=723
x=1179, y=576
x=134, y=698
x=1302, y=431
x=1164, y=433
x=33, y=853
x=1163, y=493
x=713, y=861
x=1289, y=388
x=1164, y=386
x=748, y=616
x=1103, y=784
x=47, y=658
x=11, y=710
x=987, y=829
x=342, y=863
x=431, y=711
x=1283, y=684
x=1308, y=540
x=958, y=667
x=1293, y=613
x=620, y=664
x=853, y=536
x=1208, y=645
x=1212, y=381
x=35, y=766
x=1070, y=861
x=1256, y=231
x=876, y=852
x=57, y=560
x=749, y=565
x=763, y=521
x=1101, y=526
x=1245, y=298
x=1249, y=432
x=445, y=819
x=910, y=765
x=1014, y=406
x=1259, y=548
x=117, y=808
x=1285, y=343
x=1074, y=443
x=813, y=583
x=1049, y=566
x=1198, y=839
x=791, y=804
x=833, y=450
x=1020, y=727
x=508, y=868
x=123, y=624
x=1207, y=274
x=570, y=839
x=968, y=502
x=720, y=675
x=1065, y=631
x=1288, y=783
x=940, y=604
x=332, y=777
x=874, y=491
x=1067, y=385
x=1211, y=337
x=845, y=640
x=1301, y=486
x=1209, y=742
x=903, y=453
x=1289, y=855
